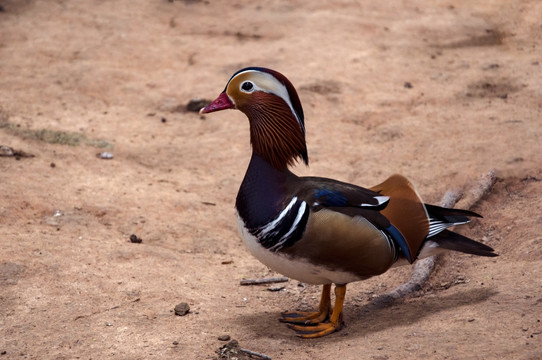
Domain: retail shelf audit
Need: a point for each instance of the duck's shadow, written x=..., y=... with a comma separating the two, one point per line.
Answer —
x=378, y=315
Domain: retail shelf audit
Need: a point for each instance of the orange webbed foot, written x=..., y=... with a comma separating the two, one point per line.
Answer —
x=305, y=318
x=316, y=331
x=310, y=325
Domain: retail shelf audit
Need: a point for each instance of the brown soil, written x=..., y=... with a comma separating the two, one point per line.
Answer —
x=441, y=92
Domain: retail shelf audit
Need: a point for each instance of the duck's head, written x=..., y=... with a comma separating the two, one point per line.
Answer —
x=269, y=100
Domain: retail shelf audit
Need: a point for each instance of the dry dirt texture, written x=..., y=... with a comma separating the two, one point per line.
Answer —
x=439, y=91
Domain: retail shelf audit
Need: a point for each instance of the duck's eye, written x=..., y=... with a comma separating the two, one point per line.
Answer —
x=247, y=86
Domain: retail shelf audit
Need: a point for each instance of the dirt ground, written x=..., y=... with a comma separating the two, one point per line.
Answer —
x=439, y=91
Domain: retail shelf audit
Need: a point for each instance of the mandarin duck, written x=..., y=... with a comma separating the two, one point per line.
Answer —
x=319, y=230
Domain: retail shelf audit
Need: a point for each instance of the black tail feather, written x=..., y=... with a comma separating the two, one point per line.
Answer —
x=437, y=211
x=452, y=241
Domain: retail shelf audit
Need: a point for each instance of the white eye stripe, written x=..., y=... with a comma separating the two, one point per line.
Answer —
x=271, y=86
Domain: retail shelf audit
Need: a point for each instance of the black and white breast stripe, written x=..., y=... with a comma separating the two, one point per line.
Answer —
x=286, y=229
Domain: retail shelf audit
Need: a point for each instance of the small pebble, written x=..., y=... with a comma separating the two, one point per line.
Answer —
x=105, y=155
x=224, y=337
x=175, y=343
x=135, y=239
x=164, y=120
x=108, y=324
x=408, y=85
x=182, y=309
x=6, y=151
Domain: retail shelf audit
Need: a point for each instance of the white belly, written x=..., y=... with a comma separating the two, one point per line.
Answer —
x=297, y=269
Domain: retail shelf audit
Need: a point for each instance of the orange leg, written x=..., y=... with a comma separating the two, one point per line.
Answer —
x=307, y=318
x=324, y=328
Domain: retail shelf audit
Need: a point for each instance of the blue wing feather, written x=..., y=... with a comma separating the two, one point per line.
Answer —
x=336, y=198
x=327, y=197
x=401, y=241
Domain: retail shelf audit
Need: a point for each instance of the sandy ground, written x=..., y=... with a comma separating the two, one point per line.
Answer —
x=439, y=91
